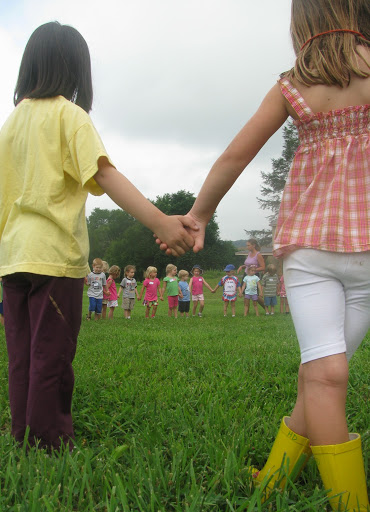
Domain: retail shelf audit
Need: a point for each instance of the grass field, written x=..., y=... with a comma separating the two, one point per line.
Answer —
x=169, y=413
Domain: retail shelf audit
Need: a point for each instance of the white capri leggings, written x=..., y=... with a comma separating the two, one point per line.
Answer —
x=329, y=298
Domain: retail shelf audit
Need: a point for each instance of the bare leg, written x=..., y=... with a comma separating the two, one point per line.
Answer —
x=225, y=307
x=233, y=308
x=195, y=305
x=256, y=308
x=175, y=312
x=297, y=421
x=104, y=311
x=201, y=306
x=154, y=311
x=111, y=312
x=147, y=311
x=325, y=390
x=287, y=310
x=246, y=307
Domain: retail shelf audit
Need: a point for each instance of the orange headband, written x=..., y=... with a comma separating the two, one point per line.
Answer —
x=331, y=32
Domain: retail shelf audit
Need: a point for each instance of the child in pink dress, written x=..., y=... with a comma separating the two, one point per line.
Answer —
x=114, y=273
x=284, y=305
x=151, y=285
x=196, y=289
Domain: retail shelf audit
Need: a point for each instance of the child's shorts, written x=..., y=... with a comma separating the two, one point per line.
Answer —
x=128, y=303
x=225, y=298
x=173, y=301
x=105, y=301
x=195, y=298
x=329, y=298
x=112, y=304
x=271, y=301
x=251, y=297
x=184, y=306
x=150, y=303
x=95, y=305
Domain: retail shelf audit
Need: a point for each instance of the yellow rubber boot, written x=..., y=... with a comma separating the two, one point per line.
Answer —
x=289, y=454
x=342, y=471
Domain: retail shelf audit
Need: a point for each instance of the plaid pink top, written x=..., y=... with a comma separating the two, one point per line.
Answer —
x=326, y=200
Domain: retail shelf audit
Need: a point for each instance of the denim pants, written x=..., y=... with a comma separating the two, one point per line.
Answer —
x=42, y=321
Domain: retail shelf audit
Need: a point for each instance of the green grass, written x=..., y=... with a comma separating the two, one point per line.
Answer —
x=169, y=413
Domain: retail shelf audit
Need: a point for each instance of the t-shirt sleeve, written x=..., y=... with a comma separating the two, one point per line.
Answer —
x=85, y=149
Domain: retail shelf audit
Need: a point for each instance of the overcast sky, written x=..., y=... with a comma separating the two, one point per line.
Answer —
x=174, y=81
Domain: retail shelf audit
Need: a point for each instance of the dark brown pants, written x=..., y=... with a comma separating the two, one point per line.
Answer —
x=42, y=321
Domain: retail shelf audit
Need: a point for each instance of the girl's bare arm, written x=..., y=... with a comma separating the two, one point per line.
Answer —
x=168, y=228
x=270, y=116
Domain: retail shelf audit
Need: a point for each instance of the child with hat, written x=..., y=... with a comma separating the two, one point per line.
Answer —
x=230, y=284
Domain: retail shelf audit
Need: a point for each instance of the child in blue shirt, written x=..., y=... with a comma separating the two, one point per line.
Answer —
x=250, y=287
x=184, y=293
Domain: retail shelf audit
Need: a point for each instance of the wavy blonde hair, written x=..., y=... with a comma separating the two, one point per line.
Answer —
x=149, y=270
x=330, y=59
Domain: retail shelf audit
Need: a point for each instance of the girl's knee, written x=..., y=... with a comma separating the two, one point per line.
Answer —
x=329, y=371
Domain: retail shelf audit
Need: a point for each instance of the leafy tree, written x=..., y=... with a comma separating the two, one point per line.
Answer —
x=119, y=239
x=263, y=236
x=274, y=181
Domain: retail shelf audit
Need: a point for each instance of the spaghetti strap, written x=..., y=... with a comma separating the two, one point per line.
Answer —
x=295, y=98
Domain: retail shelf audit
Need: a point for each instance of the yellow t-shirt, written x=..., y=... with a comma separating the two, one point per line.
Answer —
x=49, y=151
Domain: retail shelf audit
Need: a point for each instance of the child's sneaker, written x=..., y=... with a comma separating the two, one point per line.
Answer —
x=200, y=314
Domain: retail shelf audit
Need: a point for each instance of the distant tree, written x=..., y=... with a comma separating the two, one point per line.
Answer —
x=263, y=236
x=119, y=239
x=274, y=181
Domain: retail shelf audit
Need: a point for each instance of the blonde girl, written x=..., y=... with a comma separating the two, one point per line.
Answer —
x=170, y=283
x=114, y=273
x=152, y=287
x=196, y=289
x=322, y=231
x=105, y=269
x=284, y=304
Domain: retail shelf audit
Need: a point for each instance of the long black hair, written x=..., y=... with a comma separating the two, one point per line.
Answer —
x=56, y=61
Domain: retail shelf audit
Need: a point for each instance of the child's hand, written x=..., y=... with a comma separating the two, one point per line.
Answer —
x=174, y=234
x=194, y=227
x=162, y=299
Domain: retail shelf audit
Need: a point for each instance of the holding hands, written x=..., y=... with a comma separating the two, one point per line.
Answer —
x=189, y=235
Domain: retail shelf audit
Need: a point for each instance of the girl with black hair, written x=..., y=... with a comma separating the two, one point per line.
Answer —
x=51, y=156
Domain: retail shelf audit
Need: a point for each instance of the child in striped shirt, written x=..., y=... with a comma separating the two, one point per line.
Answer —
x=269, y=284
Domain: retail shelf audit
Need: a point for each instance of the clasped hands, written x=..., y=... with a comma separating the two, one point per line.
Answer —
x=178, y=234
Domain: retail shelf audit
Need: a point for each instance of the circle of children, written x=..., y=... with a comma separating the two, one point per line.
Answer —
x=51, y=157
x=103, y=295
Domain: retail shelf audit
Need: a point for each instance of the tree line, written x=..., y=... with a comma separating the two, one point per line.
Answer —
x=118, y=238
